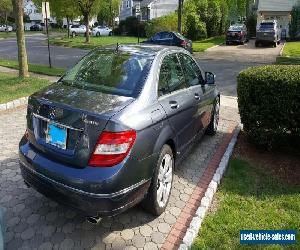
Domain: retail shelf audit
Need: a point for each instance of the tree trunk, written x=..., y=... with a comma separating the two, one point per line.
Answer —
x=22, y=54
x=68, y=24
x=87, y=25
x=180, y=16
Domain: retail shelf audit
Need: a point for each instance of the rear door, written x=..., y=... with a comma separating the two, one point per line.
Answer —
x=202, y=93
x=176, y=100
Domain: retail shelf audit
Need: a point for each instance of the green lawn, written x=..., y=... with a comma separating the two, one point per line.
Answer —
x=79, y=41
x=13, y=87
x=292, y=49
x=291, y=54
x=249, y=198
x=35, y=68
x=7, y=34
x=200, y=46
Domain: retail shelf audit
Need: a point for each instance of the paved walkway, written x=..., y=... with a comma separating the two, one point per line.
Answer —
x=35, y=222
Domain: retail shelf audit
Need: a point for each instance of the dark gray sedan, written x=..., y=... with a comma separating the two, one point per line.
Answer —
x=107, y=135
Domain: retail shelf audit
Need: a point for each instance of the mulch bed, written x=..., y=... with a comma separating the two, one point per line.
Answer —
x=285, y=166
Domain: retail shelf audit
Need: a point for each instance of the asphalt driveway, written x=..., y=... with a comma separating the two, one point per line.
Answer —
x=227, y=61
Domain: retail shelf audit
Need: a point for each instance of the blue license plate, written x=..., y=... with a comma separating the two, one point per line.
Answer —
x=57, y=136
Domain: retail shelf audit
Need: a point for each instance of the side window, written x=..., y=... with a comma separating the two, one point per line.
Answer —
x=191, y=70
x=171, y=77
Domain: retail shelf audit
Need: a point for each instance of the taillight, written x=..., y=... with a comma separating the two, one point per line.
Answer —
x=112, y=148
x=184, y=43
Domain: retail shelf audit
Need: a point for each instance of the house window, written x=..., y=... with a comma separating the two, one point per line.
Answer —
x=127, y=4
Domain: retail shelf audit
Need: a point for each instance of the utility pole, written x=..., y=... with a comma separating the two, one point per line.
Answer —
x=180, y=3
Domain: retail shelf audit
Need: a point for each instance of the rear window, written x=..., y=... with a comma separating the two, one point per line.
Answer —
x=118, y=73
x=266, y=26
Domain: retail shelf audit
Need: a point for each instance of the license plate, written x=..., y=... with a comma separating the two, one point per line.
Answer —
x=57, y=136
x=265, y=34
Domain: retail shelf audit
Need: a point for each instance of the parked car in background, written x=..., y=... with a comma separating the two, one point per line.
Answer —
x=237, y=34
x=36, y=27
x=102, y=31
x=76, y=30
x=171, y=39
x=268, y=33
x=5, y=28
x=107, y=135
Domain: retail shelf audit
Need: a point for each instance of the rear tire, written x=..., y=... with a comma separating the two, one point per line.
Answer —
x=110, y=34
x=275, y=44
x=73, y=34
x=98, y=34
x=159, y=191
x=256, y=44
x=214, y=121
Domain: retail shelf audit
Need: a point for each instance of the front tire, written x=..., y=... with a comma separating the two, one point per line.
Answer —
x=98, y=34
x=159, y=191
x=214, y=122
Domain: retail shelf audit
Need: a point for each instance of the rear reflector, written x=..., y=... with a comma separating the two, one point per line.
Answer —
x=184, y=43
x=112, y=148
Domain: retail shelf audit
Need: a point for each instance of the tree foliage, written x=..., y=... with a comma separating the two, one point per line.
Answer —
x=108, y=11
x=5, y=9
x=295, y=22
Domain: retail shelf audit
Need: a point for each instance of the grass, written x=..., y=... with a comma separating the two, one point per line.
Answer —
x=291, y=54
x=287, y=60
x=5, y=35
x=249, y=198
x=79, y=41
x=13, y=87
x=35, y=68
x=292, y=49
x=201, y=46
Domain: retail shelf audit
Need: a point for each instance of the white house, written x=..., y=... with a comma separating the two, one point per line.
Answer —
x=279, y=10
x=149, y=9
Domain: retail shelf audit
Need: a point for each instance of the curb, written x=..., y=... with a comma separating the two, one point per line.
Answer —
x=206, y=201
x=281, y=51
x=213, y=47
x=14, y=104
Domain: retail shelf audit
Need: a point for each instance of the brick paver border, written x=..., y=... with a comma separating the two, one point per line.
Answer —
x=179, y=229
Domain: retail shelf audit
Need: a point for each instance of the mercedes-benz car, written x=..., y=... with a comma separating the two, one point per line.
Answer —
x=109, y=133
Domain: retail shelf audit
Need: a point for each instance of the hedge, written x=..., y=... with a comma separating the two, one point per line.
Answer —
x=269, y=104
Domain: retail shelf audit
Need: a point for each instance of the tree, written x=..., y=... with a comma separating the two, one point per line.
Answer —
x=224, y=16
x=5, y=8
x=108, y=11
x=22, y=54
x=88, y=8
x=294, y=29
x=62, y=9
x=180, y=6
x=213, y=18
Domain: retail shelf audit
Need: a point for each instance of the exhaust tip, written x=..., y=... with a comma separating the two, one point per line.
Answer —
x=94, y=220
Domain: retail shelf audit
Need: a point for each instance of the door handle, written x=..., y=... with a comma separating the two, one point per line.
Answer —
x=197, y=96
x=174, y=104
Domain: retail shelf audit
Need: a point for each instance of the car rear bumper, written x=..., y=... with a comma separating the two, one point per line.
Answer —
x=88, y=203
x=94, y=191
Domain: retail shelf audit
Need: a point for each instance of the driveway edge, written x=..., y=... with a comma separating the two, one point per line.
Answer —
x=189, y=221
x=14, y=104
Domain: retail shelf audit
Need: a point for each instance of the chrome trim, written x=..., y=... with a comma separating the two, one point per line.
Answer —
x=121, y=192
x=57, y=123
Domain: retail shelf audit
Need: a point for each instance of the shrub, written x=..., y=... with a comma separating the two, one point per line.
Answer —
x=251, y=24
x=269, y=104
x=164, y=23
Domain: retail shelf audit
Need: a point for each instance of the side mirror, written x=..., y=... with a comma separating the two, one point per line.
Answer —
x=210, y=78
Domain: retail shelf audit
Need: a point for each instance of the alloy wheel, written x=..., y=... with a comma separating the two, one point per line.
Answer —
x=164, y=184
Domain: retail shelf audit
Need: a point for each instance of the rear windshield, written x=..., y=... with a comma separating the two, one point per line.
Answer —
x=267, y=26
x=118, y=73
x=235, y=29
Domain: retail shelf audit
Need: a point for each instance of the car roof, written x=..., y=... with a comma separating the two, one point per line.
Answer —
x=142, y=49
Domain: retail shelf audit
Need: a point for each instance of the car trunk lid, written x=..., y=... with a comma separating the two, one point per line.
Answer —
x=77, y=114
